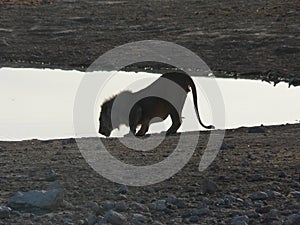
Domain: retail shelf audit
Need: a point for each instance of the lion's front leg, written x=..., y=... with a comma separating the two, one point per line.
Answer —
x=144, y=129
x=135, y=118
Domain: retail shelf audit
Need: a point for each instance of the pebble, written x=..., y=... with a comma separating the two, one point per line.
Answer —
x=67, y=221
x=273, y=194
x=91, y=219
x=161, y=205
x=115, y=218
x=259, y=195
x=240, y=220
x=180, y=203
x=123, y=190
x=257, y=130
x=121, y=197
x=68, y=205
x=94, y=207
x=209, y=187
x=121, y=207
x=139, y=207
x=295, y=194
x=171, y=198
x=52, y=176
x=156, y=223
x=200, y=212
x=227, y=146
x=263, y=209
x=245, y=164
x=194, y=219
x=108, y=205
x=295, y=184
x=139, y=218
x=5, y=212
x=282, y=174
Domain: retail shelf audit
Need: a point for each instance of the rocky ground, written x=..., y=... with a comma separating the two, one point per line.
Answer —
x=255, y=179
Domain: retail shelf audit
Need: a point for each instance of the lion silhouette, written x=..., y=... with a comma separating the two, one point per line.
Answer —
x=164, y=97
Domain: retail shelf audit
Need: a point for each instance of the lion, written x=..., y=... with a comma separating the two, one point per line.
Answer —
x=164, y=97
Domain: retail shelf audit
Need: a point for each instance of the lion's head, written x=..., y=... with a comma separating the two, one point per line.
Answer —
x=119, y=103
x=105, y=118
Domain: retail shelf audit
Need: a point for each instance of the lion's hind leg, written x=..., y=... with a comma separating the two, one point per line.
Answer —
x=176, y=122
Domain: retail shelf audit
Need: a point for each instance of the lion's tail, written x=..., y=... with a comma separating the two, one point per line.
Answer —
x=194, y=92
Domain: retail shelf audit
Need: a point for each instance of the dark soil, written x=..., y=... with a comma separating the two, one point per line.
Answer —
x=233, y=37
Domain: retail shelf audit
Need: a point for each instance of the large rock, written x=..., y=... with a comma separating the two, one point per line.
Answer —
x=49, y=199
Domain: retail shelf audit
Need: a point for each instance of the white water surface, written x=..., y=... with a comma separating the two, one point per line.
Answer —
x=38, y=103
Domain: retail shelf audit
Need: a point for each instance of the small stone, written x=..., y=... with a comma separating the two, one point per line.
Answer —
x=240, y=220
x=55, y=185
x=108, y=205
x=273, y=194
x=139, y=207
x=156, y=223
x=68, y=205
x=143, y=199
x=180, y=203
x=263, y=209
x=151, y=206
x=279, y=18
x=245, y=164
x=219, y=202
x=67, y=221
x=80, y=222
x=52, y=176
x=115, y=218
x=294, y=194
x=257, y=130
x=293, y=219
x=139, y=218
x=200, y=212
x=161, y=205
x=123, y=189
x=171, y=198
x=209, y=187
x=259, y=195
x=58, y=152
x=150, y=189
x=94, y=207
x=4, y=212
x=186, y=214
x=227, y=146
x=121, y=197
x=282, y=174
x=121, y=207
x=256, y=177
x=194, y=219
x=91, y=219
x=295, y=184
